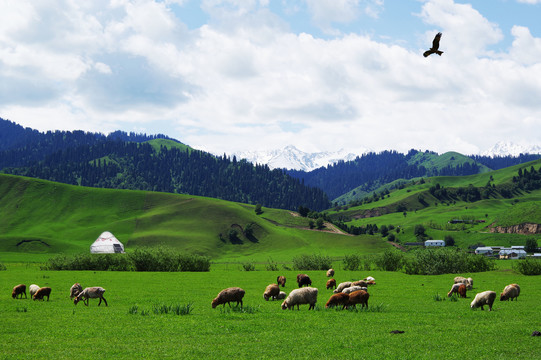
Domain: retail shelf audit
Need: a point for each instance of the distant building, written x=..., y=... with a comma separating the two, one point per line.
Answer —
x=484, y=250
x=512, y=254
x=434, y=243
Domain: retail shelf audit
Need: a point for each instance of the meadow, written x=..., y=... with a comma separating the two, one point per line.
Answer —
x=133, y=326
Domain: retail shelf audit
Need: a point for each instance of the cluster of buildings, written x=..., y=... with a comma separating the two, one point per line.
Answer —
x=500, y=252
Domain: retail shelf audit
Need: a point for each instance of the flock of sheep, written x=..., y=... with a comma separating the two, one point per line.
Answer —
x=481, y=299
x=345, y=294
x=76, y=293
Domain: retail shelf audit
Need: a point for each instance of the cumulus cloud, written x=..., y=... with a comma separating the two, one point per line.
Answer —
x=245, y=81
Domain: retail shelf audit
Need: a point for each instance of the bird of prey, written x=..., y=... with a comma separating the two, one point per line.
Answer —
x=435, y=46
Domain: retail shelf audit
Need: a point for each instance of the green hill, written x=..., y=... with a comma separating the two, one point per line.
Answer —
x=41, y=218
x=416, y=203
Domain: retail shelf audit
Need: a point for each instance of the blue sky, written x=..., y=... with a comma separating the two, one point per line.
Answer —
x=241, y=75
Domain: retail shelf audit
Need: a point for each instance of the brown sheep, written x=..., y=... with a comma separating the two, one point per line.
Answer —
x=281, y=280
x=361, y=283
x=271, y=291
x=358, y=297
x=331, y=283
x=42, y=292
x=330, y=273
x=95, y=292
x=19, y=290
x=510, y=292
x=337, y=299
x=462, y=291
x=371, y=282
x=75, y=290
x=227, y=296
x=303, y=279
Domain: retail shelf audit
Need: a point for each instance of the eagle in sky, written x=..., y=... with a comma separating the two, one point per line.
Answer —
x=435, y=46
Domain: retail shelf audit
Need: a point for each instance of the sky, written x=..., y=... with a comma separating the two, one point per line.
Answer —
x=228, y=76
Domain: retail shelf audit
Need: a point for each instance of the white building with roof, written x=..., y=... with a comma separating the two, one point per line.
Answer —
x=106, y=243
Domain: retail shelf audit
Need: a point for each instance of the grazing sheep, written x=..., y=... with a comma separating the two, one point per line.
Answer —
x=371, y=282
x=271, y=291
x=228, y=295
x=454, y=289
x=307, y=295
x=75, y=290
x=94, y=292
x=303, y=279
x=281, y=296
x=482, y=299
x=369, y=278
x=462, y=280
x=342, y=286
x=358, y=297
x=510, y=292
x=351, y=289
x=359, y=283
x=281, y=280
x=41, y=293
x=330, y=273
x=462, y=291
x=337, y=299
x=19, y=290
x=470, y=282
x=331, y=283
x=33, y=289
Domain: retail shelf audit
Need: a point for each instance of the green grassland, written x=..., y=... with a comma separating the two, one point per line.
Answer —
x=446, y=329
x=41, y=218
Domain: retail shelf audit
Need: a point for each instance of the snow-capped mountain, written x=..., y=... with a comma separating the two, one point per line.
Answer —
x=504, y=148
x=292, y=158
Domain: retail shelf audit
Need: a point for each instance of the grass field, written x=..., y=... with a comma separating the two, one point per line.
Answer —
x=432, y=329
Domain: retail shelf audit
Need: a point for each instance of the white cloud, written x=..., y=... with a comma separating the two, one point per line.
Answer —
x=529, y=1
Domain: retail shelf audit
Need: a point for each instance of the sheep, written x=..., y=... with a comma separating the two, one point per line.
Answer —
x=462, y=291
x=303, y=279
x=330, y=273
x=454, y=289
x=359, y=283
x=482, y=299
x=41, y=293
x=94, y=292
x=271, y=291
x=510, y=292
x=337, y=299
x=281, y=280
x=358, y=297
x=371, y=282
x=351, y=289
x=307, y=295
x=33, y=289
x=75, y=290
x=462, y=280
x=281, y=296
x=342, y=286
x=331, y=283
x=19, y=290
x=228, y=295
x=369, y=278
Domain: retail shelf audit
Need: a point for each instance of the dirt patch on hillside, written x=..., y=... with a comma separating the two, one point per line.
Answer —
x=523, y=229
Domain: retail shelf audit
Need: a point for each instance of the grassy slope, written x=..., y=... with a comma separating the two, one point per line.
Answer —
x=64, y=218
x=503, y=212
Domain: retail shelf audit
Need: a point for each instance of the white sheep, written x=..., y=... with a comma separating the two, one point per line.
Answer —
x=369, y=278
x=342, y=286
x=462, y=280
x=482, y=299
x=33, y=289
x=330, y=273
x=94, y=292
x=306, y=295
x=281, y=296
x=353, y=288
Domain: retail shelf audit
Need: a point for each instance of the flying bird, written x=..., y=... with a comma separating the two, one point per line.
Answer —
x=435, y=46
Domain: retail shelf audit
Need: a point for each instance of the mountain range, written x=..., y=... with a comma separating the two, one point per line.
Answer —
x=291, y=158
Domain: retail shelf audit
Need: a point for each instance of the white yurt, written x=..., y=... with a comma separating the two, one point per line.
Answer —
x=106, y=243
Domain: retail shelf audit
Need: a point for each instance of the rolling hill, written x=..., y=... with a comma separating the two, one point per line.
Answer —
x=42, y=218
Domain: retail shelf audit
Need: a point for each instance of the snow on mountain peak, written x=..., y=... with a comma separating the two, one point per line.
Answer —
x=504, y=148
